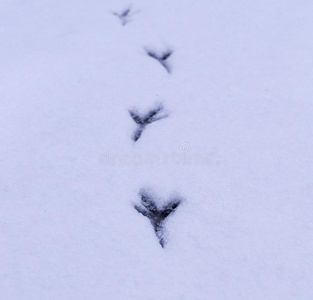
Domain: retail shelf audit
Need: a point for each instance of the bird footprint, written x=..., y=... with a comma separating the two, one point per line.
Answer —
x=162, y=58
x=124, y=16
x=156, y=215
x=153, y=115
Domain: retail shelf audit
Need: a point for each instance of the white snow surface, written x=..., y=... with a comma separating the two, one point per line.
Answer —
x=240, y=92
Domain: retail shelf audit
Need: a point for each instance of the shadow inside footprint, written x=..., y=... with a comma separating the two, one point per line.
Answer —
x=157, y=216
x=153, y=115
x=161, y=58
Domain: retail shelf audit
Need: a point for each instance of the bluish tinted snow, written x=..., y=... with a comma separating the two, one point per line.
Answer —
x=239, y=96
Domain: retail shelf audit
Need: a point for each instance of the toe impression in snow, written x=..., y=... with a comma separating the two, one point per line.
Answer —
x=153, y=115
x=162, y=58
x=124, y=16
x=156, y=215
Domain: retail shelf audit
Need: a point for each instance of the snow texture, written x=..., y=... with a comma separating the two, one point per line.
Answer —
x=236, y=146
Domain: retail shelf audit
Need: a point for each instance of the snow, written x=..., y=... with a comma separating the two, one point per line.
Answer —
x=239, y=94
